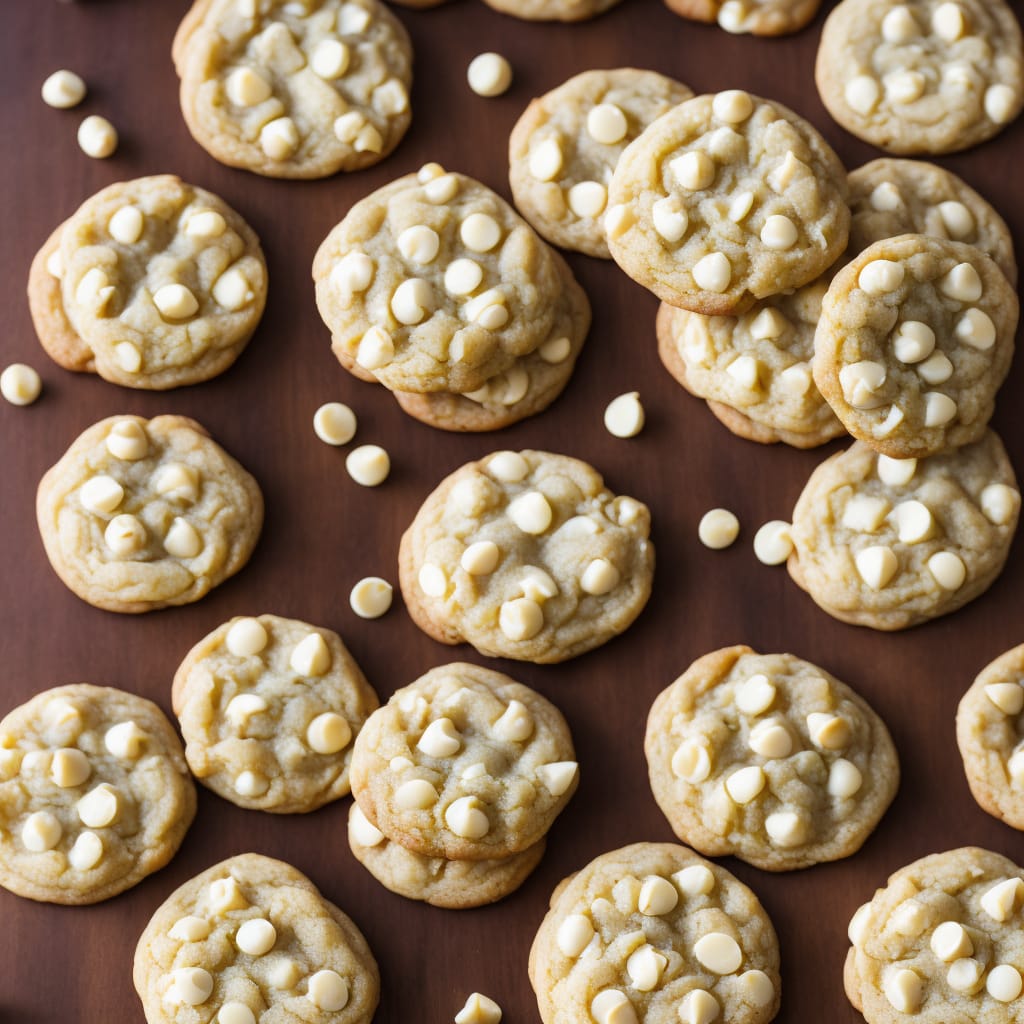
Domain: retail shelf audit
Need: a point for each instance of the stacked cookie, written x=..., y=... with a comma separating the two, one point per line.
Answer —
x=457, y=779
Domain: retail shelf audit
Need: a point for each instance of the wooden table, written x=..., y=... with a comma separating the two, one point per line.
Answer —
x=323, y=532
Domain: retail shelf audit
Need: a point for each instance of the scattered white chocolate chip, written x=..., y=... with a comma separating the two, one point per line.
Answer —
x=914, y=522
x=733, y=106
x=865, y=513
x=328, y=733
x=779, y=232
x=242, y=707
x=41, y=832
x=975, y=328
x=225, y=895
x=936, y=369
x=279, y=138
x=480, y=232
x=63, y=89
x=330, y=59
x=555, y=351
x=624, y=416
x=353, y=273
x=433, y=580
x=232, y=290
x=670, y=219
x=412, y=301
x=415, y=795
x=246, y=637
x=479, y=1009
x=904, y=989
x=844, y=779
x=375, y=349
x=746, y=372
x=950, y=941
x=1002, y=899
x=190, y=929
x=657, y=896
x=182, y=540
x=190, y=986
x=587, y=199
x=999, y=503
x=521, y=619
x=20, y=384
x=531, y=512
x=480, y=558
x=939, y=409
x=205, y=224
x=756, y=695
x=948, y=570
x=489, y=74
x=466, y=818
x=861, y=382
x=440, y=739
x=284, y=973
x=741, y=205
x=770, y=323
x=126, y=740
x=713, y=272
x=965, y=975
x=607, y=124
x=876, y=565
x=1004, y=983
x=99, y=807
x=745, y=784
x=128, y=357
x=363, y=830
x=645, y=967
x=545, y=160
x=857, y=930
x=885, y=197
x=328, y=991
x=691, y=761
x=962, y=283
x=97, y=137
x=508, y=467
x=256, y=936
x=786, y=829
x=371, y=597
x=694, y=170
x=880, y=276
x=334, y=423
x=718, y=528
x=126, y=225
x=718, y=952
x=235, y=1013
x=899, y=26
x=862, y=94
x=914, y=341
x=515, y=723
x=69, y=767
x=125, y=535
x=1000, y=103
x=246, y=88
x=175, y=302
x=419, y=244
x=557, y=776
x=251, y=784
x=896, y=472
x=770, y=739
x=368, y=465
x=698, y=1007
x=1008, y=697
x=904, y=86
x=830, y=732
x=773, y=542
x=612, y=1007
x=574, y=934
x=600, y=577
x=311, y=656
x=101, y=494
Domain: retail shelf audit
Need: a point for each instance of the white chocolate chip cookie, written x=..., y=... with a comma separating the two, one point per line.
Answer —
x=754, y=370
x=142, y=514
x=769, y=758
x=453, y=884
x=526, y=555
x=566, y=144
x=915, y=338
x=990, y=735
x=552, y=10
x=269, y=708
x=465, y=764
x=251, y=939
x=922, y=76
x=294, y=88
x=759, y=17
x=942, y=942
x=152, y=283
x=724, y=200
x=654, y=934
x=94, y=794
x=899, y=197
x=890, y=543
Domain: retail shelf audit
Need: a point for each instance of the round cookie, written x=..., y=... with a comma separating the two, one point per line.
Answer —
x=151, y=283
x=294, y=89
x=923, y=76
x=142, y=514
x=769, y=758
x=434, y=283
x=941, y=943
x=990, y=735
x=653, y=933
x=900, y=197
x=564, y=147
x=754, y=370
x=94, y=794
x=452, y=884
x=465, y=764
x=252, y=939
x=890, y=543
x=269, y=708
x=526, y=555
x=552, y=10
x=915, y=337
x=724, y=200
x=759, y=17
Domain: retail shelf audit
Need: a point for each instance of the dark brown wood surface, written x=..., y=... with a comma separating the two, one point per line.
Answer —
x=323, y=532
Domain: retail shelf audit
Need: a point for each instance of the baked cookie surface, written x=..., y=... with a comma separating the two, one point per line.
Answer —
x=251, y=939
x=759, y=17
x=889, y=543
x=724, y=200
x=923, y=76
x=654, y=933
x=152, y=283
x=915, y=337
x=770, y=758
x=94, y=794
x=990, y=735
x=564, y=147
x=464, y=763
x=526, y=555
x=142, y=514
x=294, y=89
x=269, y=708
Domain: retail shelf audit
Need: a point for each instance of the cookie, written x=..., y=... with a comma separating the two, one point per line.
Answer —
x=552, y=10
x=768, y=758
x=903, y=197
x=654, y=934
x=754, y=370
x=269, y=708
x=915, y=338
x=452, y=884
x=724, y=200
x=564, y=147
x=294, y=89
x=252, y=939
x=759, y=17
x=924, y=76
x=890, y=543
x=526, y=555
x=941, y=942
x=990, y=735
x=152, y=283
x=94, y=794
x=465, y=764
x=142, y=514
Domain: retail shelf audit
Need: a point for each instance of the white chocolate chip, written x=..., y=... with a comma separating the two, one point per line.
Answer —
x=488, y=310
x=225, y=895
x=190, y=929
x=371, y=597
x=328, y=991
x=770, y=739
x=537, y=585
x=20, y=384
x=713, y=272
x=481, y=558
x=55, y=264
x=63, y=89
x=999, y=503
x=896, y=472
x=893, y=418
x=624, y=415
x=742, y=203
x=612, y=1007
x=531, y=512
x=1015, y=769
x=376, y=349
x=334, y=423
x=574, y=935
x=696, y=880
x=364, y=832
x=1004, y=983
x=957, y=219
x=256, y=936
x=279, y=138
x=786, y=829
x=773, y=542
x=242, y=707
x=69, y=767
x=128, y=357
x=857, y=930
x=126, y=740
x=368, y=465
x=328, y=733
x=41, y=832
x=962, y=283
x=546, y=160
x=182, y=540
x=904, y=989
x=965, y=976
x=587, y=199
x=251, y=784
x=830, y=732
x=311, y=656
x=645, y=967
x=694, y=170
x=718, y=528
x=948, y=570
x=412, y=302
x=844, y=779
x=733, y=106
x=865, y=513
x=756, y=988
x=745, y=784
x=619, y=219
x=861, y=382
x=353, y=273
x=862, y=94
x=607, y=124
x=99, y=807
x=97, y=137
x=950, y=941
x=691, y=761
x=433, y=580
x=936, y=369
x=205, y=224
x=125, y=535
x=521, y=619
x=557, y=776
x=489, y=74
x=670, y=219
x=746, y=372
x=247, y=88
x=508, y=467
x=466, y=818
x=914, y=342
x=232, y=290
x=419, y=244
x=190, y=986
x=1008, y=697
x=440, y=739
x=939, y=409
x=909, y=918
x=175, y=302
x=718, y=952
x=914, y=522
x=657, y=896
x=515, y=723
x=1001, y=900
x=880, y=277
x=95, y=290
x=177, y=482
x=886, y=197
x=899, y=26
x=416, y=794
x=876, y=565
x=235, y=1013
x=779, y=232
x=698, y=1007
x=904, y=86
x=975, y=328
x=330, y=59
x=101, y=494
x=756, y=695
x=480, y=232
x=442, y=188
x=479, y=1009
x=948, y=22
x=1000, y=103
x=246, y=637
x=126, y=225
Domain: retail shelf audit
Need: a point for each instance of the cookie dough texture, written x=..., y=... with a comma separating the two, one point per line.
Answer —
x=915, y=337
x=563, y=149
x=552, y=10
x=769, y=758
x=759, y=17
x=152, y=284
x=754, y=370
x=926, y=76
x=526, y=555
x=657, y=934
x=912, y=197
x=143, y=514
x=465, y=764
x=724, y=200
x=94, y=794
x=294, y=89
x=890, y=543
x=941, y=942
x=990, y=735
x=269, y=708
x=251, y=938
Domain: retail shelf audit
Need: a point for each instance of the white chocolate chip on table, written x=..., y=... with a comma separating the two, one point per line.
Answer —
x=758, y=17
x=368, y=465
x=489, y=74
x=718, y=528
x=97, y=137
x=63, y=89
x=94, y=794
x=20, y=384
x=334, y=423
x=624, y=416
x=371, y=597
